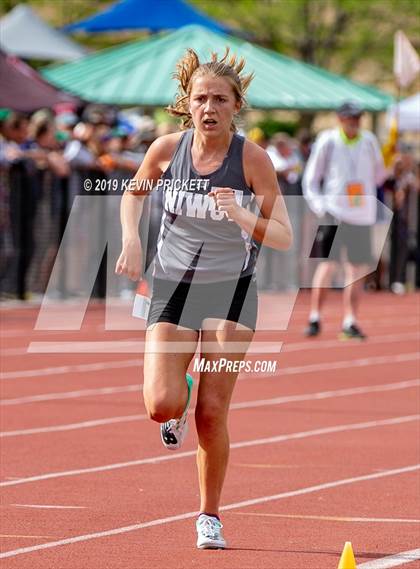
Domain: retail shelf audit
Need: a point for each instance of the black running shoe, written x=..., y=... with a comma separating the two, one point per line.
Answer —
x=352, y=332
x=313, y=329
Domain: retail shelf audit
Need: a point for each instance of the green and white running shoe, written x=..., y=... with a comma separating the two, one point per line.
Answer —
x=209, y=533
x=174, y=431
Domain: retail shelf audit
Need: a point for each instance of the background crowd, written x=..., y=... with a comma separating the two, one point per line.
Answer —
x=46, y=157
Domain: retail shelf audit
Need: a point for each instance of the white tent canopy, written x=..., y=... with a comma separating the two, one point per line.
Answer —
x=407, y=113
x=24, y=34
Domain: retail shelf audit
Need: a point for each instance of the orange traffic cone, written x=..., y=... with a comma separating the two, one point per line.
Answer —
x=347, y=560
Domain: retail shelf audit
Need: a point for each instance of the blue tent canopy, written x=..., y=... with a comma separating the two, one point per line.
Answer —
x=145, y=15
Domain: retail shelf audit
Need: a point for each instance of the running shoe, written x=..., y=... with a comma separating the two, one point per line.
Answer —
x=352, y=332
x=174, y=431
x=209, y=533
x=313, y=329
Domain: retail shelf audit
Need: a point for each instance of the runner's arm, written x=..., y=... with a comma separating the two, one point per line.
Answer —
x=272, y=228
x=151, y=169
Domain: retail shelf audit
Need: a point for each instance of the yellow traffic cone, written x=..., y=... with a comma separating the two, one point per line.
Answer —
x=347, y=560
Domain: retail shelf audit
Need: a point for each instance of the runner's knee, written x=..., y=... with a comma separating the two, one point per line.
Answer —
x=161, y=408
x=210, y=419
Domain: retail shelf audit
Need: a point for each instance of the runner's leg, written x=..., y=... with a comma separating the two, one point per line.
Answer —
x=166, y=362
x=214, y=395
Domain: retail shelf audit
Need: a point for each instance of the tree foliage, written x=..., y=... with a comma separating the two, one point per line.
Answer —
x=335, y=34
x=341, y=35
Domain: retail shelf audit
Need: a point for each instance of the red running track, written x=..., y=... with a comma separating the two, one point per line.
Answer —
x=325, y=450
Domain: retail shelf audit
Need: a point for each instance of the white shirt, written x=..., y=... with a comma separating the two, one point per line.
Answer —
x=350, y=173
x=281, y=164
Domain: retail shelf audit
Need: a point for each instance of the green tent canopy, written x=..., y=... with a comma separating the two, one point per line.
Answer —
x=140, y=73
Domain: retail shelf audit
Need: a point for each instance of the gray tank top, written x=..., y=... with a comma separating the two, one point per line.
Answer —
x=196, y=242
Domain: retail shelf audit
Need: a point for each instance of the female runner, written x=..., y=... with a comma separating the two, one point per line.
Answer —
x=221, y=201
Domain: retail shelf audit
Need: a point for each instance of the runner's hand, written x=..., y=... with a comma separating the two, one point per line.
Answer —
x=226, y=201
x=130, y=261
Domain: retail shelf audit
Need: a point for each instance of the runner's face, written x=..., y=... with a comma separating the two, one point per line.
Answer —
x=213, y=105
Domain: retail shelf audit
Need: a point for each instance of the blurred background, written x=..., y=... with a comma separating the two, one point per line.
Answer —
x=83, y=85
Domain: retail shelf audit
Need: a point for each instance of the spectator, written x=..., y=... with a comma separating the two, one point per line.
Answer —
x=403, y=185
x=22, y=201
x=304, y=139
x=286, y=162
x=281, y=268
x=348, y=162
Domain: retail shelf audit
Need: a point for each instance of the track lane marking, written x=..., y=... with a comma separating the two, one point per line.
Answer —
x=239, y=405
x=76, y=368
x=233, y=506
x=320, y=395
x=48, y=507
x=243, y=444
x=27, y=536
x=393, y=560
x=74, y=426
x=319, y=344
x=290, y=370
x=138, y=346
x=116, y=364
x=368, y=321
x=287, y=346
x=331, y=518
x=71, y=394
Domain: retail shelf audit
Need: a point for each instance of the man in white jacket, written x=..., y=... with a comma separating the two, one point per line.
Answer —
x=348, y=164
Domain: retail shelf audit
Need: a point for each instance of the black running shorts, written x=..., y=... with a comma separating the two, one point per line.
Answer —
x=188, y=304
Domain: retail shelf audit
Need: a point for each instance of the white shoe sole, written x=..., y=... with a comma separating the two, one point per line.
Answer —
x=179, y=444
x=212, y=545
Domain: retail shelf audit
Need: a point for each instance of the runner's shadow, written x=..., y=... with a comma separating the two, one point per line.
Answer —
x=376, y=555
x=267, y=550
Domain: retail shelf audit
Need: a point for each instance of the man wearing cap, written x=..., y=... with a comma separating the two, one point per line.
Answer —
x=348, y=164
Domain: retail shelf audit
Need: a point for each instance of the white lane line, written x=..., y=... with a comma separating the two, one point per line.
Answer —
x=317, y=344
x=27, y=536
x=233, y=506
x=319, y=487
x=129, y=347
x=287, y=346
x=19, y=332
x=332, y=518
x=255, y=442
x=290, y=370
x=99, y=366
x=328, y=366
x=240, y=405
x=393, y=560
x=47, y=507
x=72, y=394
x=74, y=426
x=330, y=394
x=368, y=321
x=138, y=346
